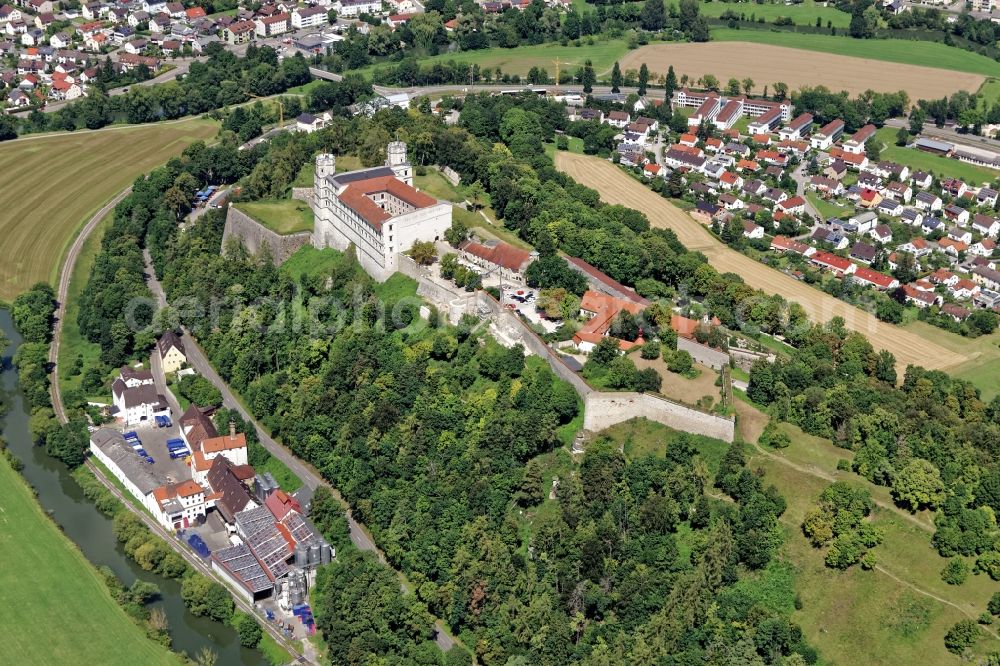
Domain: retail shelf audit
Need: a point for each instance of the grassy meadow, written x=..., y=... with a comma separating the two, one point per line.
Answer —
x=58, y=610
x=282, y=216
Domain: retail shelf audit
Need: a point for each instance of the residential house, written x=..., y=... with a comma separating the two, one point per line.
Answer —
x=987, y=277
x=882, y=233
x=353, y=8
x=834, y=237
x=832, y=262
x=731, y=202
x=826, y=185
x=601, y=310
x=964, y=289
x=784, y=244
x=794, y=205
x=952, y=246
x=984, y=248
x=868, y=277
x=179, y=505
x=863, y=252
x=175, y=9
x=901, y=192
x=920, y=298
x=60, y=40
x=986, y=196
x=954, y=187
x=171, y=349
x=751, y=230
x=985, y=225
x=922, y=179
x=960, y=235
x=889, y=207
x=869, y=199
x=619, y=119
x=956, y=214
x=928, y=201
x=864, y=222
x=836, y=170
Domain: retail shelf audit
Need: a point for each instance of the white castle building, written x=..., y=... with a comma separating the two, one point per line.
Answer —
x=377, y=209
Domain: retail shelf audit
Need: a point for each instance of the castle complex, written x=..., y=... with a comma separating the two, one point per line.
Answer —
x=376, y=209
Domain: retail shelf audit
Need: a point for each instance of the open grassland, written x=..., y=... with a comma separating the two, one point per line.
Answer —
x=52, y=183
x=924, y=54
x=768, y=64
x=617, y=187
x=57, y=609
x=944, y=167
x=907, y=605
x=804, y=13
x=282, y=216
x=519, y=60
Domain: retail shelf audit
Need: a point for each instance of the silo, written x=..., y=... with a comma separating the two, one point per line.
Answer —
x=301, y=555
x=325, y=553
x=314, y=555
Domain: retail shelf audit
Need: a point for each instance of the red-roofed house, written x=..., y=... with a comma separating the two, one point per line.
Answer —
x=785, y=244
x=793, y=205
x=602, y=310
x=867, y=276
x=496, y=255
x=832, y=262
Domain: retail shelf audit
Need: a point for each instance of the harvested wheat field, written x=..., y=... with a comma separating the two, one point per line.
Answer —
x=617, y=187
x=767, y=64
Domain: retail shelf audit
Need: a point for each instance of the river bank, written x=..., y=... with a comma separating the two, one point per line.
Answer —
x=61, y=497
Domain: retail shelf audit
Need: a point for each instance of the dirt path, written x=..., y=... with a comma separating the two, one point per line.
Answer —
x=919, y=590
x=617, y=187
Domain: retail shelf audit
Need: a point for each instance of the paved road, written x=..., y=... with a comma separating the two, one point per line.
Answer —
x=800, y=177
x=62, y=292
x=307, y=473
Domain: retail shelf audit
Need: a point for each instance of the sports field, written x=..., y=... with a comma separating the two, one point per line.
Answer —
x=617, y=187
x=54, y=182
x=56, y=608
x=767, y=64
x=282, y=216
x=804, y=13
x=519, y=60
x=926, y=54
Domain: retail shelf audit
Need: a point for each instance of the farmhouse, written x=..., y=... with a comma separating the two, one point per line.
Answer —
x=377, y=210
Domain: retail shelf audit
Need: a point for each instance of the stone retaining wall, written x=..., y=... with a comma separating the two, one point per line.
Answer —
x=603, y=410
x=255, y=236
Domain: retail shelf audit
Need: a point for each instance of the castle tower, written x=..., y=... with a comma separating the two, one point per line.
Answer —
x=396, y=160
x=326, y=165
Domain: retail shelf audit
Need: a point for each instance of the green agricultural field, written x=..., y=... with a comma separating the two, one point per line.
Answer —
x=54, y=182
x=928, y=54
x=519, y=60
x=805, y=13
x=58, y=610
x=936, y=164
x=983, y=368
x=989, y=93
x=282, y=216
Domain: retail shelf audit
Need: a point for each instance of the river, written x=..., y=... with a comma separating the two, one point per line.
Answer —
x=91, y=530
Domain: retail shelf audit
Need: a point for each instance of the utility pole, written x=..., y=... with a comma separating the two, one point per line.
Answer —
x=557, y=76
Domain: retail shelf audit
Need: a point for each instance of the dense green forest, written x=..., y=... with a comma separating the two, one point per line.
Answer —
x=436, y=435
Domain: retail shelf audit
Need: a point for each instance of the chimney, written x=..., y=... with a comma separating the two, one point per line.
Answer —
x=232, y=430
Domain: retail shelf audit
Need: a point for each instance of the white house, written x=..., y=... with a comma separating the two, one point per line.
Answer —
x=135, y=397
x=308, y=17
x=351, y=8
x=179, y=505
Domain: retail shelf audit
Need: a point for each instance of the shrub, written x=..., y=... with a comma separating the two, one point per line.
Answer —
x=650, y=350
x=844, y=465
x=680, y=362
x=955, y=572
x=994, y=604
x=962, y=636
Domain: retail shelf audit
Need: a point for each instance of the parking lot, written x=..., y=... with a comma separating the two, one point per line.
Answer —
x=154, y=442
x=522, y=300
